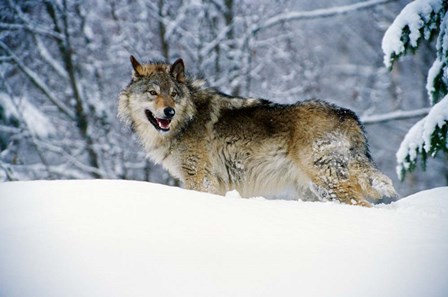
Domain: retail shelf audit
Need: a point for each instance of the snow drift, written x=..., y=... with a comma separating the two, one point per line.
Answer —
x=122, y=238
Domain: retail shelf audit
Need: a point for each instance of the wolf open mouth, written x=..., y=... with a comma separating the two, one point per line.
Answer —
x=159, y=124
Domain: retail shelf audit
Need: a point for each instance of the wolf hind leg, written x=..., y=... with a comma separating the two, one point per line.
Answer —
x=332, y=173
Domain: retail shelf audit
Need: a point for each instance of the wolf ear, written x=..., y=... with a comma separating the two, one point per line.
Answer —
x=137, y=67
x=177, y=70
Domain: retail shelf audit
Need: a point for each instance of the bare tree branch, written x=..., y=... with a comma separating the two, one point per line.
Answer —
x=317, y=13
x=393, y=116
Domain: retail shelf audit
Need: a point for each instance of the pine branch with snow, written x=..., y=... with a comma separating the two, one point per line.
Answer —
x=422, y=20
x=419, y=19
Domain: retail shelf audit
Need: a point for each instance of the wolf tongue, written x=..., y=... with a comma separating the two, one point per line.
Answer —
x=164, y=124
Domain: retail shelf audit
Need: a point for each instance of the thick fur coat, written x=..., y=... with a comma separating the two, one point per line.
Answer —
x=214, y=142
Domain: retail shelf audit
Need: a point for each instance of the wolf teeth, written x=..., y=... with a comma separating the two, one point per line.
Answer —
x=163, y=124
x=159, y=124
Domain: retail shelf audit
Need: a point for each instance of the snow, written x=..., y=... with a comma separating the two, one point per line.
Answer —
x=416, y=17
x=124, y=238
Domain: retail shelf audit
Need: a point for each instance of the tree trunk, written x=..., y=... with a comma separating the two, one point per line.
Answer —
x=162, y=30
x=66, y=52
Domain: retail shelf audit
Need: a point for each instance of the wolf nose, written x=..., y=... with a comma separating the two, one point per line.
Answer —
x=169, y=112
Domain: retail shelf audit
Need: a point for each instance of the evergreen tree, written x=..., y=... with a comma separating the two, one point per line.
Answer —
x=422, y=20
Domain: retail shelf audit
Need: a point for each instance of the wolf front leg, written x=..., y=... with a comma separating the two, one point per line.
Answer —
x=345, y=190
x=197, y=176
x=352, y=182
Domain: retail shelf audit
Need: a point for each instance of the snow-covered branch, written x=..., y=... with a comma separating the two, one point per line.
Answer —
x=419, y=20
x=317, y=13
x=212, y=44
x=29, y=25
x=413, y=23
x=9, y=129
x=34, y=29
x=34, y=78
x=72, y=159
x=420, y=138
x=45, y=54
x=392, y=116
x=175, y=23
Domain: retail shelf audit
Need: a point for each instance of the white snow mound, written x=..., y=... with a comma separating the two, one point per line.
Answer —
x=123, y=238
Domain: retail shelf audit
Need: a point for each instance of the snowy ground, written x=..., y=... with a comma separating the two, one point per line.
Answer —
x=122, y=238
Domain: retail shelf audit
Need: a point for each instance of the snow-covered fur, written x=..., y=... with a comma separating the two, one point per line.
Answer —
x=215, y=142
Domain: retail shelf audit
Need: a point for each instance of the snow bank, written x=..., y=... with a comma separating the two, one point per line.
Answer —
x=122, y=238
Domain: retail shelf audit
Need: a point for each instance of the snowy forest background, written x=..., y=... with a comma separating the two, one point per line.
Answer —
x=63, y=63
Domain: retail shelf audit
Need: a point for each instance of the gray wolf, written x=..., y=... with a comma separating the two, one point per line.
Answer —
x=214, y=142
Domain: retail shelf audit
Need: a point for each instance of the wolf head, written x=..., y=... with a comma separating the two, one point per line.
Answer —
x=156, y=96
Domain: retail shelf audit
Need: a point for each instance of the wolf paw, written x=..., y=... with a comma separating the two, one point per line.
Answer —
x=383, y=185
x=363, y=203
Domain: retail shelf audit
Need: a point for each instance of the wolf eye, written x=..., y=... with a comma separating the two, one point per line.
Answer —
x=173, y=94
x=152, y=92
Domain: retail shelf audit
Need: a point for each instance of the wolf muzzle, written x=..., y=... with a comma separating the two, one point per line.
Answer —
x=161, y=124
